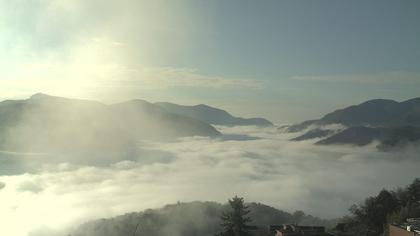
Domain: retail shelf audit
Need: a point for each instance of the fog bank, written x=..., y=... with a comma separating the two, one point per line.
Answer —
x=259, y=164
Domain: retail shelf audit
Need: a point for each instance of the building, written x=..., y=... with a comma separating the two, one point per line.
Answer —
x=287, y=230
x=298, y=230
x=409, y=228
x=259, y=230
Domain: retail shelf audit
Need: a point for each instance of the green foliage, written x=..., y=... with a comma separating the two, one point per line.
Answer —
x=414, y=192
x=234, y=222
x=409, y=211
x=350, y=226
x=372, y=217
x=298, y=215
x=186, y=219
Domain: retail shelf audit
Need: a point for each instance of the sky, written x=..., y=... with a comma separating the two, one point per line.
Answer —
x=288, y=61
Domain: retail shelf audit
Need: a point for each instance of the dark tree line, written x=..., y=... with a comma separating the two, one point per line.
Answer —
x=372, y=216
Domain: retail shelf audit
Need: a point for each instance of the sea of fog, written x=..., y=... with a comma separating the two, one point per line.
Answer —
x=259, y=164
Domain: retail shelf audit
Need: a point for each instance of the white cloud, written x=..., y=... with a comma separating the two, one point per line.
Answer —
x=394, y=77
x=96, y=65
x=184, y=77
x=85, y=80
x=323, y=181
x=82, y=48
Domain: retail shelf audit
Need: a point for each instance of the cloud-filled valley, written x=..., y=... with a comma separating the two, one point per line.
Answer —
x=260, y=164
x=173, y=117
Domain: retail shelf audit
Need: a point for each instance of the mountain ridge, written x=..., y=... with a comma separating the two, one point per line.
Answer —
x=382, y=120
x=212, y=115
x=43, y=122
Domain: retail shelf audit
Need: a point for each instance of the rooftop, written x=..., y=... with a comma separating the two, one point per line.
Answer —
x=412, y=225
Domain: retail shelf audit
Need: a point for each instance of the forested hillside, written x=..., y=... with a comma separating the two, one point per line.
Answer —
x=188, y=219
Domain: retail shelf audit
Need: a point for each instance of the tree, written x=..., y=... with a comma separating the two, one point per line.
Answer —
x=414, y=191
x=373, y=213
x=372, y=217
x=234, y=222
x=297, y=216
x=408, y=211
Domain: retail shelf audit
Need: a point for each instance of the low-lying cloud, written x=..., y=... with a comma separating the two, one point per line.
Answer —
x=321, y=180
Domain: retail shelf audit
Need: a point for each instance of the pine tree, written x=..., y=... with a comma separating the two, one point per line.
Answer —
x=235, y=221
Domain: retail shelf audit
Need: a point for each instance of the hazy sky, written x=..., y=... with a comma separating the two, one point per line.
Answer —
x=287, y=60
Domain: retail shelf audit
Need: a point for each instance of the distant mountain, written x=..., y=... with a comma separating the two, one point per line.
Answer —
x=359, y=136
x=315, y=133
x=45, y=123
x=374, y=113
x=212, y=115
x=301, y=126
x=144, y=116
x=188, y=219
x=393, y=124
x=400, y=137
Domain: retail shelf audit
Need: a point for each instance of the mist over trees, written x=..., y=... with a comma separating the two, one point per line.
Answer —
x=190, y=219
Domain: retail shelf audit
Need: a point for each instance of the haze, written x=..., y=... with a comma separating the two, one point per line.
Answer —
x=93, y=142
x=280, y=60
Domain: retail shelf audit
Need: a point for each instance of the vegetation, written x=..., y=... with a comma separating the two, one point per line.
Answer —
x=372, y=217
x=235, y=221
x=369, y=218
x=189, y=219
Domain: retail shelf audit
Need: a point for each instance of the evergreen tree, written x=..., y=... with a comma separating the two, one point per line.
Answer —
x=297, y=216
x=235, y=221
x=414, y=191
